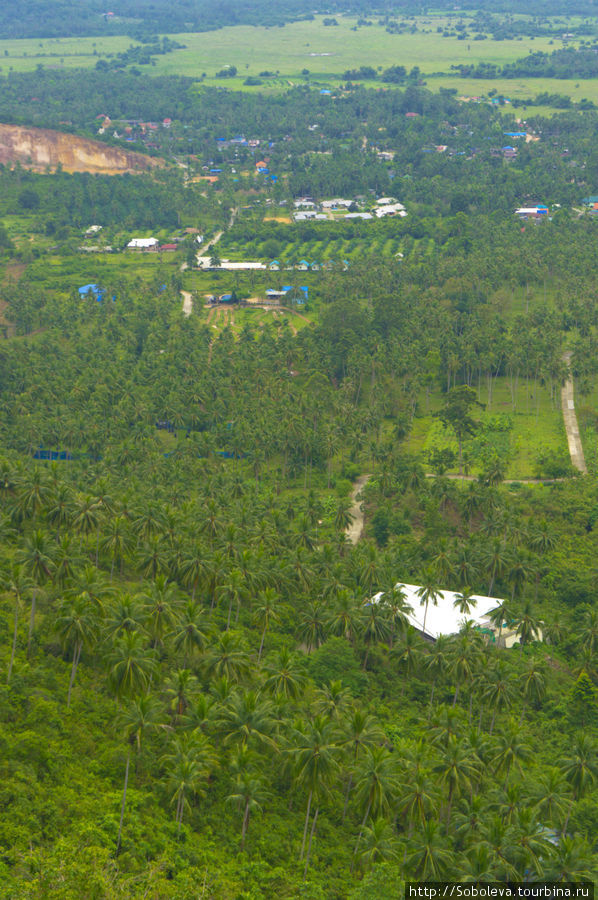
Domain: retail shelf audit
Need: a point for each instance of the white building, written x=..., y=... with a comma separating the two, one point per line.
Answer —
x=445, y=618
x=336, y=204
x=143, y=243
x=390, y=209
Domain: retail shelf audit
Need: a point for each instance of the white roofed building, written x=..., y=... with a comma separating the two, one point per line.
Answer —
x=143, y=243
x=445, y=618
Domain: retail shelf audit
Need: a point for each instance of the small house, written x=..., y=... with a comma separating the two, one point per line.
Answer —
x=303, y=265
x=94, y=289
x=274, y=266
x=151, y=243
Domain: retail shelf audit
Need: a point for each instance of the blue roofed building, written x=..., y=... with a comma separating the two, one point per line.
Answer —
x=94, y=289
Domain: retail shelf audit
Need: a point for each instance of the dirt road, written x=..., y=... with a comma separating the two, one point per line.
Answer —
x=570, y=419
x=354, y=530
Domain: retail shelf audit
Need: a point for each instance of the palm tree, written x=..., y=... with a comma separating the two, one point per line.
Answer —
x=90, y=582
x=376, y=626
x=495, y=560
x=126, y=614
x=286, y=676
x=409, y=652
x=571, y=861
x=589, y=630
x=395, y=601
x=437, y=662
x=418, y=799
x=498, y=691
x=464, y=601
x=312, y=624
x=226, y=657
x=139, y=717
x=379, y=844
x=464, y=659
x=131, y=665
x=428, y=855
x=457, y=770
x=86, y=517
x=249, y=718
x=248, y=794
x=234, y=590
x=193, y=568
x=533, y=683
x=345, y=618
x=189, y=765
x=512, y=750
x=528, y=627
x=117, y=542
x=549, y=796
x=160, y=605
x=314, y=750
x=180, y=689
x=429, y=592
x=18, y=583
x=580, y=770
x=265, y=613
x=332, y=700
x=190, y=632
x=376, y=784
x=76, y=626
x=37, y=562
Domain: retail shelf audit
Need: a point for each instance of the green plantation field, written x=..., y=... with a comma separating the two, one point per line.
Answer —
x=321, y=251
x=24, y=55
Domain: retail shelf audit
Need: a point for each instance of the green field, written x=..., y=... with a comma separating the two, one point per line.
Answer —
x=326, y=52
x=302, y=45
x=537, y=428
x=59, y=53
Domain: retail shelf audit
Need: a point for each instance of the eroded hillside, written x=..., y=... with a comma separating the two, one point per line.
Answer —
x=38, y=148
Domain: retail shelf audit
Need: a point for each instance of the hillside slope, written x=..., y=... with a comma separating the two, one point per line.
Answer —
x=37, y=148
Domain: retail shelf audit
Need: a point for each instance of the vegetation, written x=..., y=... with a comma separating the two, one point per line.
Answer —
x=208, y=688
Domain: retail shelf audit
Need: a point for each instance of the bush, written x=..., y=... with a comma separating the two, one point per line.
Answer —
x=336, y=660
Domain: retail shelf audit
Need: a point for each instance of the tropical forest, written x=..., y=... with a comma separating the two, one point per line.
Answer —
x=298, y=449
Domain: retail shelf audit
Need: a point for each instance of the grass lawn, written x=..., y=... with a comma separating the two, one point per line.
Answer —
x=537, y=428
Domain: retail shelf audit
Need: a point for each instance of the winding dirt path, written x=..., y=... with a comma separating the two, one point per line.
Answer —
x=354, y=530
x=569, y=417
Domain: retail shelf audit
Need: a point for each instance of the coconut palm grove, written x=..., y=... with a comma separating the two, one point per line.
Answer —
x=298, y=450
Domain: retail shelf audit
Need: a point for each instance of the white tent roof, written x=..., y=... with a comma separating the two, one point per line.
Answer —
x=444, y=618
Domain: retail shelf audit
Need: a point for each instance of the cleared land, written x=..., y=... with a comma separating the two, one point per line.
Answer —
x=40, y=148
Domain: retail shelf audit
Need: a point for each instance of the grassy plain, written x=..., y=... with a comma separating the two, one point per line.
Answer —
x=59, y=53
x=325, y=51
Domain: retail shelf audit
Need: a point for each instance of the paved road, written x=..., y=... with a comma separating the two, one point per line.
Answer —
x=570, y=419
x=354, y=530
